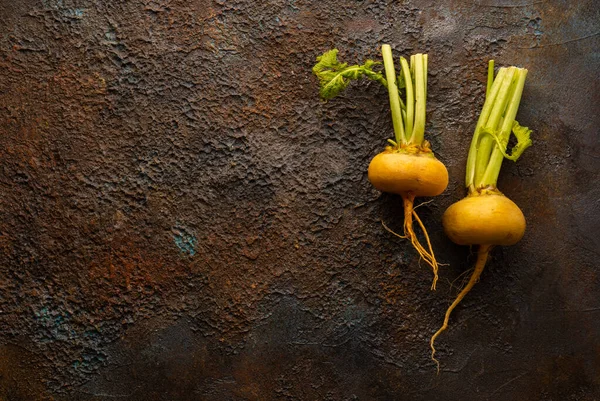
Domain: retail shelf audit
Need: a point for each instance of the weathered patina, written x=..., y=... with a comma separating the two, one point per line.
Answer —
x=183, y=219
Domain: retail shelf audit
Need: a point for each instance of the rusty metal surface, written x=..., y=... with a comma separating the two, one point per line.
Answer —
x=183, y=219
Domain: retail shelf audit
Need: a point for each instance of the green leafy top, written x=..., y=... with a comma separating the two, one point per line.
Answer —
x=334, y=76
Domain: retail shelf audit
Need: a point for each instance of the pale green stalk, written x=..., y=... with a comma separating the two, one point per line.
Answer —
x=390, y=73
x=483, y=117
x=425, y=58
x=410, y=101
x=418, y=134
x=486, y=142
x=490, y=79
x=490, y=178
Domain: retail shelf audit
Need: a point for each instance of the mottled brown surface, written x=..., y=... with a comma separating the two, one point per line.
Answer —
x=183, y=219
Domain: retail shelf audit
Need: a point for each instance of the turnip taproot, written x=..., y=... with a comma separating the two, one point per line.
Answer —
x=486, y=217
x=408, y=166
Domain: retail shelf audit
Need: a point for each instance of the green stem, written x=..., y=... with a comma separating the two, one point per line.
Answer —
x=425, y=61
x=390, y=73
x=490, y=79
x=487, y=142
x=485, y=112
x=493, y=169
x=418, y=134
x=410, y=98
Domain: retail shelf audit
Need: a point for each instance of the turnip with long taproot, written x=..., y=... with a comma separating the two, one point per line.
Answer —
x=486, y=217
x=408, y=166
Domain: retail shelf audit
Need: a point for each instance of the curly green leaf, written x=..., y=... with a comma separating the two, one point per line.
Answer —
x=522, y=134
x=334, y=76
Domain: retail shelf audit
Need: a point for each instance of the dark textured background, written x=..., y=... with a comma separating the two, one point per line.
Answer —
x=183, y=219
